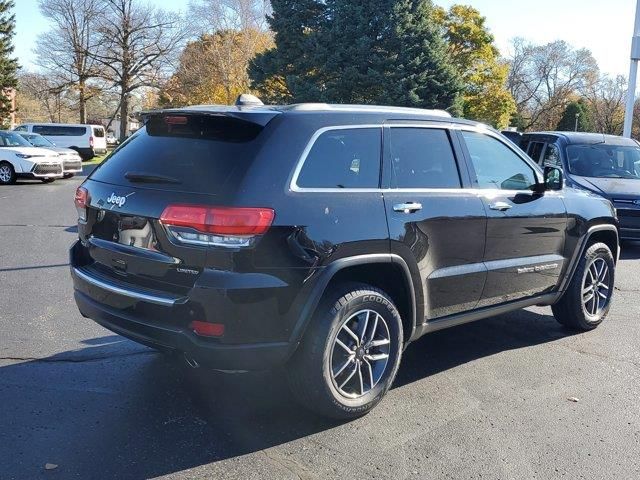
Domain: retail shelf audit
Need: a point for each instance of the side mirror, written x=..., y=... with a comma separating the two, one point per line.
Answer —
x=553, y=178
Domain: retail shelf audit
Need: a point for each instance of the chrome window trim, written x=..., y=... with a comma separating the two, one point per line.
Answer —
x=483, y=129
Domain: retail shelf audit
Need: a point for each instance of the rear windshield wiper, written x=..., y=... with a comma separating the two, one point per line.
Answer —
x=141, y=177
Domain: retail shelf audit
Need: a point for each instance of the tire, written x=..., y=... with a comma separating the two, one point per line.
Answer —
x=577, y=309
x=7, y=174
x=319, y=370
x=48, y=180
x=68, y=175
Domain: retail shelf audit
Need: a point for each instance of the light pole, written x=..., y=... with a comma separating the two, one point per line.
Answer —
x=633, y=74
x=577, y=117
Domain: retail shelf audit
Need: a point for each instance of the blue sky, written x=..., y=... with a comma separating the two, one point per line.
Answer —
x=604, y=27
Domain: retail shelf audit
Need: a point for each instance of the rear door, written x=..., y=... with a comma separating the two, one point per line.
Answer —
x=525, y=230
x=192, y=161
x=435, y=224
x=99, y=138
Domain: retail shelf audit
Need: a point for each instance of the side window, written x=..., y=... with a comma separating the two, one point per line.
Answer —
x=496, y=165
x=551, y=156
x=21, y=128
x=422, y=158
x=535, y=150
x=41, y=129
x=346, y=158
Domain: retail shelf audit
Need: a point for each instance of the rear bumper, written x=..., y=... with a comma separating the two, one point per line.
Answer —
x=257, y=334
x=222, y=357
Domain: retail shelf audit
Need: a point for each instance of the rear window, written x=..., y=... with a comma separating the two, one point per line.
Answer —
x=343, y=158
x=198, y=154
x=98, y=132
x=59, y=130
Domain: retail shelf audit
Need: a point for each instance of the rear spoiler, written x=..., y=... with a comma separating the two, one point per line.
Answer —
x=256, y=115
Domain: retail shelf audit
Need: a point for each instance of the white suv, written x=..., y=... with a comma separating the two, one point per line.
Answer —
x=87, y=140
x=19, y=159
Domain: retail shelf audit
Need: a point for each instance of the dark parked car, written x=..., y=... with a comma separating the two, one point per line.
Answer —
x=512, y=135
x=603, y=164
x=327, y=238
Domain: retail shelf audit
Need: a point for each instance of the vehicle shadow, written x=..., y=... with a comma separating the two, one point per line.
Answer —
x=117, y=410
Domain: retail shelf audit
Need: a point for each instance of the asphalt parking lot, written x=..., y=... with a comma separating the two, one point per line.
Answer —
x=486, y=400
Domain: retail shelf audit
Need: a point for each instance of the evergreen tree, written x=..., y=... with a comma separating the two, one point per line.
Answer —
x=8, y=65
x=282, y=71
x=341, y=51
x=568, y=121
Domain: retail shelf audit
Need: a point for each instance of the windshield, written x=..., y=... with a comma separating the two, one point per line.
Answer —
x=604, y=161
x=10, y=139
x=38, y=141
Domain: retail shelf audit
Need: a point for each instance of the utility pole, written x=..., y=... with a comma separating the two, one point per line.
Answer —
x=577, y=118
x=633, y=74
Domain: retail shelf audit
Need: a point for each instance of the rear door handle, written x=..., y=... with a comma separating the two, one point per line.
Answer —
x=501, y=206
x=409, y=207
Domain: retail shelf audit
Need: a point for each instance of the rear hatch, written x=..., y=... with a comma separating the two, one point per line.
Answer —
x=99, y=138
x=179, y=158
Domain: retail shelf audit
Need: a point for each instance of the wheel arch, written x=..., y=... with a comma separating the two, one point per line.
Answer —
x=606, y=233
x=387, y=272
x=15, y=165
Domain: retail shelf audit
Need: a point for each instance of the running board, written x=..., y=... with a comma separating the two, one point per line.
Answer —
x=460, y=319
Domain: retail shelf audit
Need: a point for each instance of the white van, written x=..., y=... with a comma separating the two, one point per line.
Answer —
x=87, y=140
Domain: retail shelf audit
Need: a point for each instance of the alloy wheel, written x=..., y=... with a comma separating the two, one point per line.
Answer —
x=360, y=353
x=5, y=173
x=596, y=287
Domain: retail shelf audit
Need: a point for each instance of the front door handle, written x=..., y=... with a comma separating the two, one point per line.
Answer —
x=501, y=206
x=409, y=207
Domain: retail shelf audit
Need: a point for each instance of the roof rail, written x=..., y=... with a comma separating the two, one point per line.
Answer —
x=310, y=107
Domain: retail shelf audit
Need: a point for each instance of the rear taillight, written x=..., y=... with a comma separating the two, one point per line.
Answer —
x=91, y=141
x=216, y=226
x=81, y=201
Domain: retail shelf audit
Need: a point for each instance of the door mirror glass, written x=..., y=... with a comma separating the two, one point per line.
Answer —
x=553, y=178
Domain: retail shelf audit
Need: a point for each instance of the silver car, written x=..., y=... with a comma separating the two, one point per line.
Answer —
x=71, y=160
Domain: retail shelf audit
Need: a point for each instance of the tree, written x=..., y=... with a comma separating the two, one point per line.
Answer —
x=378, y=51
x=277, y=72
x=568, y=121
x=8, y=65
x=606, y=102
x=67, y=50
x=474, y=54
x=213, y=68
x=543, y=79
x=138, y=43
x=41, y=98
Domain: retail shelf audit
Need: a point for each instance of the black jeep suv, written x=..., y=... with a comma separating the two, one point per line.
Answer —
x=327, y=238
